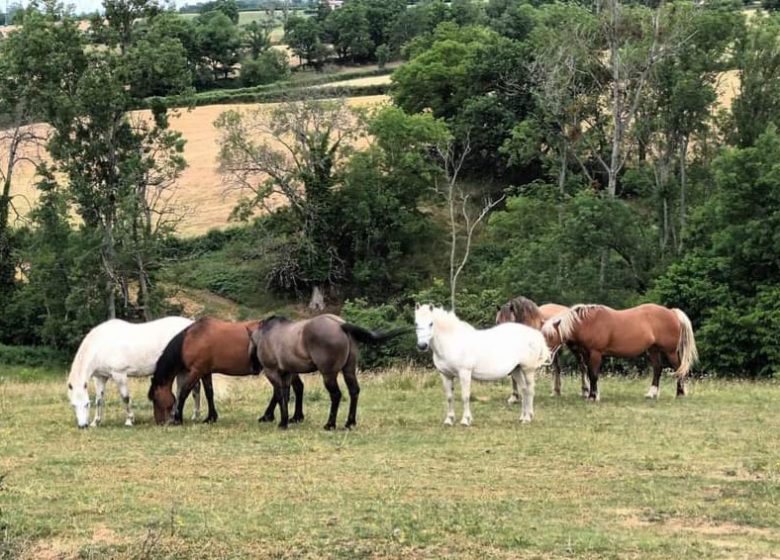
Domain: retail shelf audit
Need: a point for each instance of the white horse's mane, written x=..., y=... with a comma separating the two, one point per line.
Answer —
x=78, y=368
x=567, y=322
x=447, y=320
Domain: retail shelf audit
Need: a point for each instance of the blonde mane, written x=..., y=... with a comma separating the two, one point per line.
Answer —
x=568, y=322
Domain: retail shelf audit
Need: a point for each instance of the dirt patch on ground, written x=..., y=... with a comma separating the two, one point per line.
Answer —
x=634, y=519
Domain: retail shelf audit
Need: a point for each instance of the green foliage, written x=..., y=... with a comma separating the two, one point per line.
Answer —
x=158, y=68
x=219, y=41
x=348, y=30
x=303, y=37
x=33, y=357
x=269, y=67
x=384, y=317
x=382, y=55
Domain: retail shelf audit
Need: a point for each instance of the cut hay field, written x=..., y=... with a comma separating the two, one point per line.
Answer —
x=200, y=193
x=625, y=478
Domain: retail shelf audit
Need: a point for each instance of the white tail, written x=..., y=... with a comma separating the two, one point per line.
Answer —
x=686, y=346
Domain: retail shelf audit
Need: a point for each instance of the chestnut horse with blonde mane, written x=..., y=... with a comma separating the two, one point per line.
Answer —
x=524, y=311
x=602, y=331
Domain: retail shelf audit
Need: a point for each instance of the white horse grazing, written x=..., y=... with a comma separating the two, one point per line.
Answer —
x=117, y=350
x=460, y=350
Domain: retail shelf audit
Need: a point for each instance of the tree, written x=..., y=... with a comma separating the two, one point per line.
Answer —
x=456, y=199
x=300, y=167
x=303, y=37
x=758, y=60
x=219, y=42
x=271, y=66
x=348, y=28
x=37, y=64
x=157, y=68
x=257, y=38
x=122, y=15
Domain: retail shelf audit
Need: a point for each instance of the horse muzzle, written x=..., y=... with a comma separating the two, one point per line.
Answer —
x=422, y=346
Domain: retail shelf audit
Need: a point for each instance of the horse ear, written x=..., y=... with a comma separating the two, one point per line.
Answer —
x=416, y=306
x=430, y=306
x=498, y=307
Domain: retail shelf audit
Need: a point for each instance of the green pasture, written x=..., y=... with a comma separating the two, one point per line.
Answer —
x=625, y=478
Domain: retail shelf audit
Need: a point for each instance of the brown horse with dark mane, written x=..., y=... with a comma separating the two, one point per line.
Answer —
x=325, y=343
x=523, y=310
x=602, y=331
x=207, y=346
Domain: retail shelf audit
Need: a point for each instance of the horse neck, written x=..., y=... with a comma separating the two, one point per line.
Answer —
x=79, y=369
x=446, y=330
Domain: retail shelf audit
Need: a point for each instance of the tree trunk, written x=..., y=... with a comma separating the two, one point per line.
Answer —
x=317, y=300
x=683, y=189
x=617, y=105
x=453, y=244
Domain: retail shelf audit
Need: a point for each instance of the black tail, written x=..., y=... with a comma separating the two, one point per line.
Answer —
x=364, y=335
x=169, y=363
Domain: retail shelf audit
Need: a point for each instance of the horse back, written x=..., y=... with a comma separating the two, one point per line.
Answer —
x=216, y=346
x=550, y=310
x=629, y=332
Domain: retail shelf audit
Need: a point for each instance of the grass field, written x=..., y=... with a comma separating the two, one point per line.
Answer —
x=625, y=478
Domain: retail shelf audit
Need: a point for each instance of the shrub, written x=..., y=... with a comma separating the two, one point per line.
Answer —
x=33, y=356
x=271, y=66
x=382, y=55
x=381, y=318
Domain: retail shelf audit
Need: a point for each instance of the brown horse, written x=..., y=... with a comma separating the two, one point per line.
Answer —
x=523, y=310
x=601, y=331
x=325, y=343
x=207, y=346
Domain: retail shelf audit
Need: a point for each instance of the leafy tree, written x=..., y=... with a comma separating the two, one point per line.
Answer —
x=157, y=68
x=303, y=37
x=219, y=42
x=122, y=15
x=257, y=38
x=37, y=65
x=348, y=28
x=382, y=55
x=271, y=66
x=758, y=59
x=311, y=139
x=168, y=26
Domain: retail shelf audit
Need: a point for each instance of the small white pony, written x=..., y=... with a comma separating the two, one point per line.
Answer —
x=117, y=350
x=460, y=350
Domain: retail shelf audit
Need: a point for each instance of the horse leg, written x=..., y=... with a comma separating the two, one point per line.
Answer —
x=448, y=383
x=332, y=385
x=184, y=391
x=674, y=361
x=594, y=368
x=583, y=365
x=528, y=395
x=349, y=371
x=208, y=388
x=519, y=380
x=100, y=399
x=515, y=396
x=465, y=396
x=268, y=415
x=297, y=387
x=556, y=367
x=655, y=361
x=124, y=392
x=196, y=401
x=284, y=399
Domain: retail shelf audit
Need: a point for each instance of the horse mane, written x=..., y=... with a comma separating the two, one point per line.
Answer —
x=526, y=312
x=568, y=322
x=78, y=367
x=447, y=320
x=272, y=320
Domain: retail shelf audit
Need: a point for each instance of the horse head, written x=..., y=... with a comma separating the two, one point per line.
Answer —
x=79, y=399
x=423, y=323
x=505, y=314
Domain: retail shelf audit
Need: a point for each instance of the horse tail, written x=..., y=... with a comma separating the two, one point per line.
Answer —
x=169, y=363
x=364, y=335
x=686, y=346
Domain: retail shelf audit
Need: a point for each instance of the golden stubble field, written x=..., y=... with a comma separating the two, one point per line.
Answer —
x=200, y=194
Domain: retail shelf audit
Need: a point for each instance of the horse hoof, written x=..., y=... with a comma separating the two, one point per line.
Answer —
x=349, y=425
x=465, y=422
x=176, y=421
x=330, y=427
x=266, y=419
x=449, y=421
x=210, y=419
x=282, y=426
x=295, y=419
x=525, y=420
x=512, y=400
x=129, y=423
